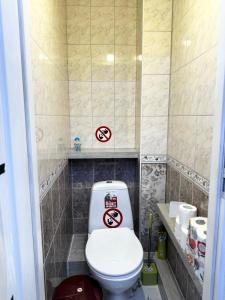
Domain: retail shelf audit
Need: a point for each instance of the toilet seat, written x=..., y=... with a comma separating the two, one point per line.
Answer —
x=114, y=252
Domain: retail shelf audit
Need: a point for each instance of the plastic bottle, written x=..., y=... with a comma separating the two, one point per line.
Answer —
x=161, y=253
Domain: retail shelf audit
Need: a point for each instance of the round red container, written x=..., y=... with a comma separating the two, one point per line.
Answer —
x=78, y=288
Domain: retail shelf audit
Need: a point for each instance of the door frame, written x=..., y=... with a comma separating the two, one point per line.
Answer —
x=214, y=284
x=21, y=155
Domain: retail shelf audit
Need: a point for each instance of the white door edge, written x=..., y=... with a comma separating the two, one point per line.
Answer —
x=21, y=149
x=213, y=276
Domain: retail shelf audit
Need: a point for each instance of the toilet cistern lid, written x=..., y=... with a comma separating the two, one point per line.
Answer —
x=109, y=184
x=114, y=252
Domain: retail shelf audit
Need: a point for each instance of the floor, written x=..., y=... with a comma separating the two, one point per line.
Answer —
x=151, y=293
x=143, y=293
x=77, y=257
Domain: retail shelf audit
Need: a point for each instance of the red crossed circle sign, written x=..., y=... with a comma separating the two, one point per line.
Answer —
x=112, y=218
x=103, y=134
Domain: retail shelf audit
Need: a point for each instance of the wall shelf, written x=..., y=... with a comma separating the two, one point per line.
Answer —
x=169, y=223
x=103, y=153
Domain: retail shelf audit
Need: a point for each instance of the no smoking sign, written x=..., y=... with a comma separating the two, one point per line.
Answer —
x=103, y=134
x=112, y=218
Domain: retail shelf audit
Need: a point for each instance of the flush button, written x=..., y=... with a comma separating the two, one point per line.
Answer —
x=109, y=181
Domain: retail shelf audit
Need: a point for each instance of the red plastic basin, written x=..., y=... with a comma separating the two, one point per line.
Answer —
x=78, y=288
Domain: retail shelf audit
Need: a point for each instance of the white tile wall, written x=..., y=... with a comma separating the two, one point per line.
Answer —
x=102, y=70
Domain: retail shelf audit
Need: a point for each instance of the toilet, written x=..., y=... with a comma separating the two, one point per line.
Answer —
x=113, y=252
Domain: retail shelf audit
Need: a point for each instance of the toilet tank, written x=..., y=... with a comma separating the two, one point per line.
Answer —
x=110, y=206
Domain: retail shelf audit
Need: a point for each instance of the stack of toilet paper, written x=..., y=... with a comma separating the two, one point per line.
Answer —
x=196, y=246
x=185, y=213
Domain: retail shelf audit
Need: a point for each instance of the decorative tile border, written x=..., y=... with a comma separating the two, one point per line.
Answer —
x=152, y=158
x=45, y=185
x=193, y=176
x=196, y=178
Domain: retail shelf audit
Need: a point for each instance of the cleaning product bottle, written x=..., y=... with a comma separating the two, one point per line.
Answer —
x=149, y=274
x=77, y=144
x=161, y=253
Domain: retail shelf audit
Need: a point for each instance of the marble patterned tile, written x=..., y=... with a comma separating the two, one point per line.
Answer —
x=182, y=139
x=155, y=95
x=125, y=63
x=79, y=2
x=102, y=25
x=124, y=99
x=195, y=42
x=126, y=3
x=49, y=274
x=125, y=26
x=185, y=190
x=56, y=205
x=102, y=62
x=78, y=25
x=47, y=223
x=154, y=135
x=52, y=138
x=103, y=3
x=82, y=127
x=204, y=138
x=127, y=170
x=81, y=199
x=196, y=81
x=157, y=15
x=79, y=62
x=104, y=170
x=40, y=31
x=153, y=180
x=180, y=8
x=80, y=98
x=205, y=82
x=124, y=132
x=80, y=225
x=46, y=80
x=82, y=172
x=156, y=52
x=103, y=99
x=200, y=200
x=174, y=187
x=168, y=178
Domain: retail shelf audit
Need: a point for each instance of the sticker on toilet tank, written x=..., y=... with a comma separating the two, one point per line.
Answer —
x=111, y=202
x=112, y=218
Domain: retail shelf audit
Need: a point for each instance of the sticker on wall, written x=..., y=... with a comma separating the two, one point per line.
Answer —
x=112, y=218
x=110, y=202
x=103, y=134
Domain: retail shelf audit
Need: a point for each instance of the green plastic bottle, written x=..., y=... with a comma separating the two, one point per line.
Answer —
x=161, y=253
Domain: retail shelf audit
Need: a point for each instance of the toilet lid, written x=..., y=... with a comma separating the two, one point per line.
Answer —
x=114, y=252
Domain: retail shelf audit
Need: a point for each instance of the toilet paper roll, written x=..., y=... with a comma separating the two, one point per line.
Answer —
x=184, y=238
x=186, y=212
x=196, y=247
x=199, y=222
x=197, y=226
x=177, y=229
x=174, y=208
x=201, y=241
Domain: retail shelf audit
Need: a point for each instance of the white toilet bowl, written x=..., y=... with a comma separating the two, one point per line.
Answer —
x=115, y=259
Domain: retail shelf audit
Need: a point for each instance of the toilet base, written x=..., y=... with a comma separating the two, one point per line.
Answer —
x=134, y=293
